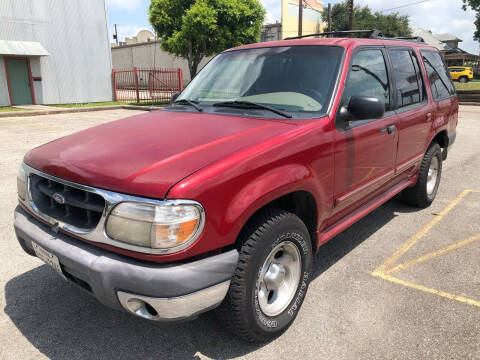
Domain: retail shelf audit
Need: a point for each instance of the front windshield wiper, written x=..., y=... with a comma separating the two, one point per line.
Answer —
x=252, y=105
x=189, y=102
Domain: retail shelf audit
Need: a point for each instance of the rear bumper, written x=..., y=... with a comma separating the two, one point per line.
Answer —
x=175, y=292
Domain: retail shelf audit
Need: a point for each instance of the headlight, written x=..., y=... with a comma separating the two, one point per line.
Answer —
x=22, y=183
x=155, y=226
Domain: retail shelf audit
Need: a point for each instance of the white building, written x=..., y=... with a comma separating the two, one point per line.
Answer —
x=53, y=52
x=442, y=42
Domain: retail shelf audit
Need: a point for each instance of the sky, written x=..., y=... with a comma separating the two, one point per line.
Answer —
x=439, y=16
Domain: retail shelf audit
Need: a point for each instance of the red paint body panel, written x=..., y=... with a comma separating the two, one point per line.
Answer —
x=235, y=165
x=234, y=189
x=363, y=157
x=147, y=154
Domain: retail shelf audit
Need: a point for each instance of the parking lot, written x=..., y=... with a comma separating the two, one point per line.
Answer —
x=402, y=283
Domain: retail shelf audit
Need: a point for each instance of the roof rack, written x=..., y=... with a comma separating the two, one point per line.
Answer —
x=411, y=38
x=372, y=34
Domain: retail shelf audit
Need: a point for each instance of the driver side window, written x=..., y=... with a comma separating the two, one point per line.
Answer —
x=368, y=76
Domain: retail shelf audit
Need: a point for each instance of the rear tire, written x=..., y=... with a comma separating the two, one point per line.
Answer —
x=463, y=79
x=271, y=278
x=425, y=190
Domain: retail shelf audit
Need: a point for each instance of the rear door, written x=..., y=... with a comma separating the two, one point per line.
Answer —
x=445, y=106
x=365, y=150
x=412, y=107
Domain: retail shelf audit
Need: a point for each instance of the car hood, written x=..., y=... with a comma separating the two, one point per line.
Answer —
x=146, y=155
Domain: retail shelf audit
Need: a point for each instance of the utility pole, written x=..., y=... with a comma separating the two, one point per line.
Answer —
x=350, y=22
x=115, y=36
x=300, y=17
x=329, y=17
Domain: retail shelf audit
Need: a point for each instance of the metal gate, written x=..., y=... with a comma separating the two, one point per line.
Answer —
x=146, y=85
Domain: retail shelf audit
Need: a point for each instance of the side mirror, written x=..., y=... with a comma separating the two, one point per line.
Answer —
x=365, y=107
x=174, y=97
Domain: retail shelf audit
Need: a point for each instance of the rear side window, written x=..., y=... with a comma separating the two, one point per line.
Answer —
x=409, y=82
x=368, y=76
x=440, y=81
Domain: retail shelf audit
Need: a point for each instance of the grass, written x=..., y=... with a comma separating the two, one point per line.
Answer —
x=10, y=109
x=471, y=85
x=109, y=103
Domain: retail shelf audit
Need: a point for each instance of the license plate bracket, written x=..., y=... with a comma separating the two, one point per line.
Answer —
x=48, y=258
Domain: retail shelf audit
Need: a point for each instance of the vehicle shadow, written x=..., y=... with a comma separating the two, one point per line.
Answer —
x=349, y=239
x=64, y=322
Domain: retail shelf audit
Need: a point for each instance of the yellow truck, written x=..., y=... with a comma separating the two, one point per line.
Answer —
x=461, y=73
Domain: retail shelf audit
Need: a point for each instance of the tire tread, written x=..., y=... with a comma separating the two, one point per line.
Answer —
x=416, y=195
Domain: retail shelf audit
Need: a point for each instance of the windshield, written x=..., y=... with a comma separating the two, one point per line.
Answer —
x=295, y=79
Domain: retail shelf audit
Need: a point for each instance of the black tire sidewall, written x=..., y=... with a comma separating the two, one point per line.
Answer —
x=288, y=230
x=438, y=154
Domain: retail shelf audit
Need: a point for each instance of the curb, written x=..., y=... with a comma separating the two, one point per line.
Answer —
x=469, y=103
x=468, y=91
x=75, y=110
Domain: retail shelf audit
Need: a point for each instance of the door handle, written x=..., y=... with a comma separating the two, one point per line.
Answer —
x=428, y=117
x=389, y=129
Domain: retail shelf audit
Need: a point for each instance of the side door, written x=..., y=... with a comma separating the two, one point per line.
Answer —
x=365, y=150
x=453, y=73
x=414, y=110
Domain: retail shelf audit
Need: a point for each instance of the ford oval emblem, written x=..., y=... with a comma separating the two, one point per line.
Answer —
x=59, y=198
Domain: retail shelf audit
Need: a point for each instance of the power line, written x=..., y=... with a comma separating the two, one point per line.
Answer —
x=402, y=6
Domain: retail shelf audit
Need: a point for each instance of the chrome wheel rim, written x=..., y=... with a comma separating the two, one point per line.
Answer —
x=279, y=278
x=432, y=176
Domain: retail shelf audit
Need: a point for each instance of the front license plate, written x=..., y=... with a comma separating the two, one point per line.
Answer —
x=48, y=258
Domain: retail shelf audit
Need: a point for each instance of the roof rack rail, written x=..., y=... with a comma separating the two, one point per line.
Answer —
x=373, y=34
x=411, y=38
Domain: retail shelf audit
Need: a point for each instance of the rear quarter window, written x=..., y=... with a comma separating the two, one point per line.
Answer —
x=440, y=80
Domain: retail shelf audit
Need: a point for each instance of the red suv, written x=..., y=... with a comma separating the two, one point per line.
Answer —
x=222, y=199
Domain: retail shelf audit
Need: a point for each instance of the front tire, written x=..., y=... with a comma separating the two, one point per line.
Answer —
x=271, y=278
x=425, y=190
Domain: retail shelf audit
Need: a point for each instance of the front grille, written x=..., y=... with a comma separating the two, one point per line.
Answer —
x=82, y=209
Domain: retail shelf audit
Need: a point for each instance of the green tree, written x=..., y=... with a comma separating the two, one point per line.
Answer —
x=391, y=25
x=194, y=29
x=475, y=5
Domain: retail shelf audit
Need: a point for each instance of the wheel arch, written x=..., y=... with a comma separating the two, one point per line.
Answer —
x=301, y=203
x=441, y=139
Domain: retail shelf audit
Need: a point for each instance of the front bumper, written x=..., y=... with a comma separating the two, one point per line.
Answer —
x=163, y=292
